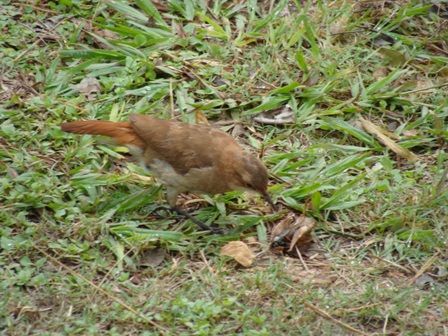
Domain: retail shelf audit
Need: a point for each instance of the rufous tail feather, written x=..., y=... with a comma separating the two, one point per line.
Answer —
x=121, y=132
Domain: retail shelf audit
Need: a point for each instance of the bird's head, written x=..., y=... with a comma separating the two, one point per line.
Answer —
x=253, y=175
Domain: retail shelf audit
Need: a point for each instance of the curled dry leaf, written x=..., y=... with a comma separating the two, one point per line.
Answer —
x=380, y=73
x=239, y=251
x=281, y=116
x=387, y=141
x=293, y=229
x=238, y=130
x=424, y=281
x=152, y=257
x=89, y=86
x=393, y=57
x=339, y=26
x=303, y=233
x=200, y=118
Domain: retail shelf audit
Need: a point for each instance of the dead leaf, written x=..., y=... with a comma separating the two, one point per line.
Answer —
x=200, y=118
x=339, y=26
x=410, y=133
x=239, y=251
x=441, y=272
x=388, y=142
x=252, y=240
x=12, y=172
x=238, y=130
x=424, y=281
x=424, y=87
x=89, y=86
x=303, y=233
x=136, y=279
x=392, y=56
x=152, y=257
x=380, y=73
x=283, y=228
x=281, y=116
x=293, y=229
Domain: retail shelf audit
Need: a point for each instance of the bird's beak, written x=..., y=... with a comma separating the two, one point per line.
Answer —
x=268, y=199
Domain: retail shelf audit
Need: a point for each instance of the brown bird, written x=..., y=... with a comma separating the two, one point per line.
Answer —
x=185, y=157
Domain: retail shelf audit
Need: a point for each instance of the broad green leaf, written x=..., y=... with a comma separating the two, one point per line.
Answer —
x=148, y=7
x=150, y=90
x=127, y=10
x=306, y=190
x=189, y=9
x=316, y=200
x=345, y=127
x=260, y=24
x=269, y=103
x=345, y=205
x=342, y=193
x=217, y=31
x=285, y=89
x=92, y=53
x=384, y=82
x=301, y=61
x=392, y=56
x=311, y=37
x=346, y=163
x=127, y=231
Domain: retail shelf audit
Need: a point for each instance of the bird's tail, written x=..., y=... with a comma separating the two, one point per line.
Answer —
x=121, y=132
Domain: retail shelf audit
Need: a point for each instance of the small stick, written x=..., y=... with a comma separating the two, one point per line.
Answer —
x=424, y=268
x=425, y=89
x=386, y=320
x=404, y=269
x=301, y=259
x=173, y=115
x=326, y=315
x=204, y=259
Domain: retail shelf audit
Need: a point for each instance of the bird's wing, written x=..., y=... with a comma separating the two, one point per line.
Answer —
x=184, y=146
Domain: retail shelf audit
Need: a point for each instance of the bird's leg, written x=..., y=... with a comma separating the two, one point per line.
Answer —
x=172, y=194
x=203, y=226
x=268, y=199
x=156, y=211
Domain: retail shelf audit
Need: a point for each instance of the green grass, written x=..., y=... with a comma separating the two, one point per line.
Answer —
x=76, y=230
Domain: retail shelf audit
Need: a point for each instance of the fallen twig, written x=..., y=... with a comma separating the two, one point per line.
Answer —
x=326, y=315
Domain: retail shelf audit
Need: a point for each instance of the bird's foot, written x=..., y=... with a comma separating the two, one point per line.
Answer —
x=213, y=229
x=158, y=211
x=203, y=226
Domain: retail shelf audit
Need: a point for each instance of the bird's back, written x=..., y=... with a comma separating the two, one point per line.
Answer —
x=185, y=146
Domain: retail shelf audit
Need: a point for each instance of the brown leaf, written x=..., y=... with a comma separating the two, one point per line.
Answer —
x=293, y=229
x=200, y=118
x=283, y=227
x=392, y=56
x=282, y=116
x=239, y=251
x=153, y=257
x=424, y=281
x=339, y=26
x=238, y=130
x=380, y=73
x=303, y=233
x=410, y=133
x=89, y=86
x=388, y=142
